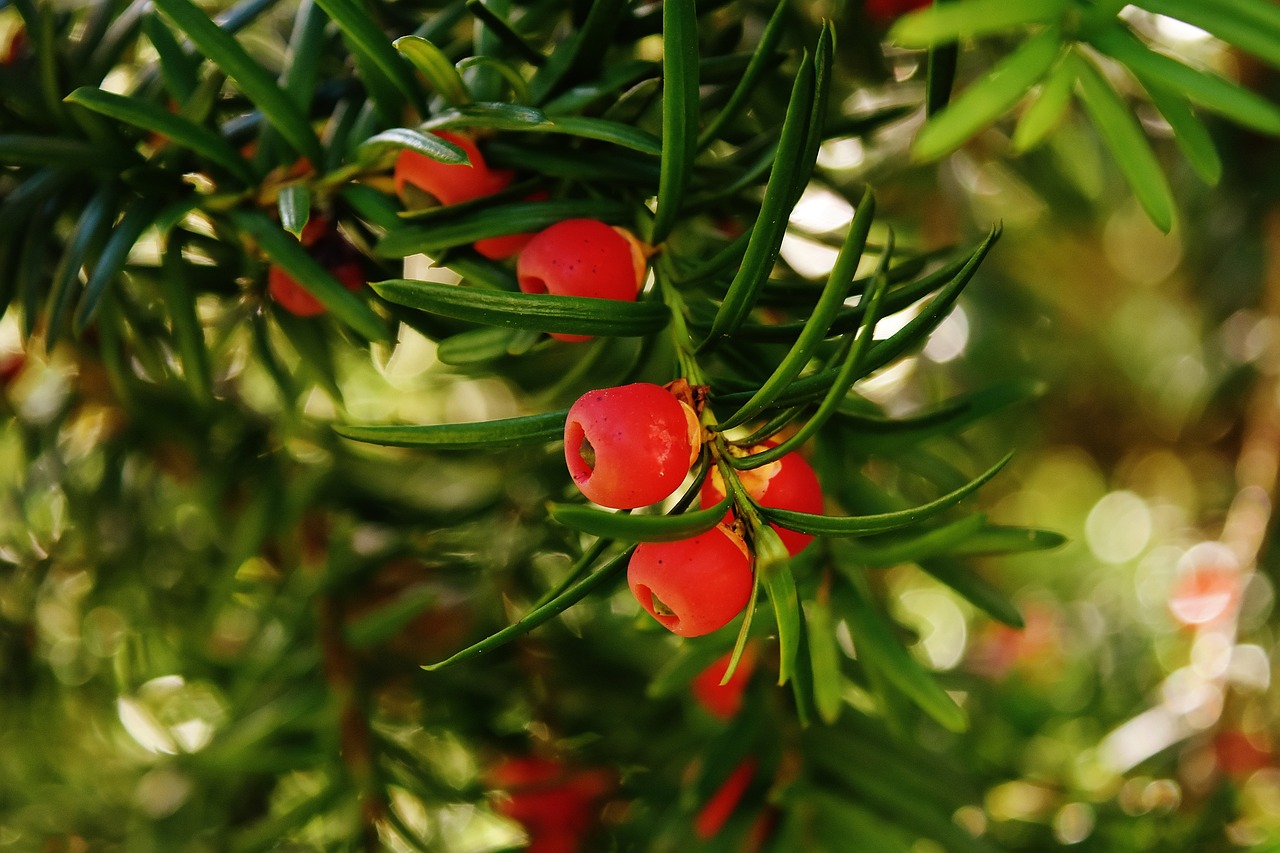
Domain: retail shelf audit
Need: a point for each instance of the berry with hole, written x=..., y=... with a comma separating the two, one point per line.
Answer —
x=335, y=254
x=583, y=257
x=787, y=483
x=630, y=446
x=447, y=183
x=693, y=586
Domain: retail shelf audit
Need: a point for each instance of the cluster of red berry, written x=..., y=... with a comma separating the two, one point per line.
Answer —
x=632, y=446
x=576, y=257
x=625, y=447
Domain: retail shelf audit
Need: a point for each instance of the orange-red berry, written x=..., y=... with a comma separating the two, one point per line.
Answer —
x=450, y=183
x=630, y=446
x=583, y=257
x=333, y=252
x=555, y=803
x=693, y=586
x=787, y=483
x=724, y=700
x=713, y=815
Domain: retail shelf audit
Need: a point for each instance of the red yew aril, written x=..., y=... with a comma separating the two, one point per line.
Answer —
x=724, y=700
x=334, y=253
x=721, y=805
x=583, y=257
x=500, y=248
x=630, y=446
x=693, y=586
x=887, y=11
x=787, y=483
x=555, y=803
x=449, y=183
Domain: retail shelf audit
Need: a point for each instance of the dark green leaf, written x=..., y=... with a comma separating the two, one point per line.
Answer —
x=627, y=527
x=62, y=152
x=181, y=131
x=879, y=647
x=581, y=56
x=92, y=229
x=258, y=86
x=475, y=346
x=571, y=315
x=848, y=372
x=370, y=44
x=505, y=33
x=892, y=550
x=180, y=301
x=1122, y=134
x=476, y=223
x=542, y=614
x=679, y=111
x=861, y=525
x=508, y=432
x=815, y=329
x=973, y=588
x=179, y=70
x=140, y=215
x=771, y=224
x=761, y=59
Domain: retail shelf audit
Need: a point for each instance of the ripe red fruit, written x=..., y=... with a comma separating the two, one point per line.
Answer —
x=886, y=11
x=787, y=483
x=449, y=183
x=333, y=252
x=500, y=248
x=720, y=806
x=693, y=586
x=555, y=803
x=724, y=700
x=582, y=257
x=630, y=446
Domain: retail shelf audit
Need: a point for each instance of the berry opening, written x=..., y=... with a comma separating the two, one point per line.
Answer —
x=587, y=453
x=656, y=608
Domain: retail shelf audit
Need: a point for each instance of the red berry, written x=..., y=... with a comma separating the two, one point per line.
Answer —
x=886, y=11
x=582, y=257
x=500, y=248
x=787, y=483
x=630, y=446
x=333, y=252
x=450, y=183
x=724, y=700
x=720, y=806
x=693, y=586
x=555, y=803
